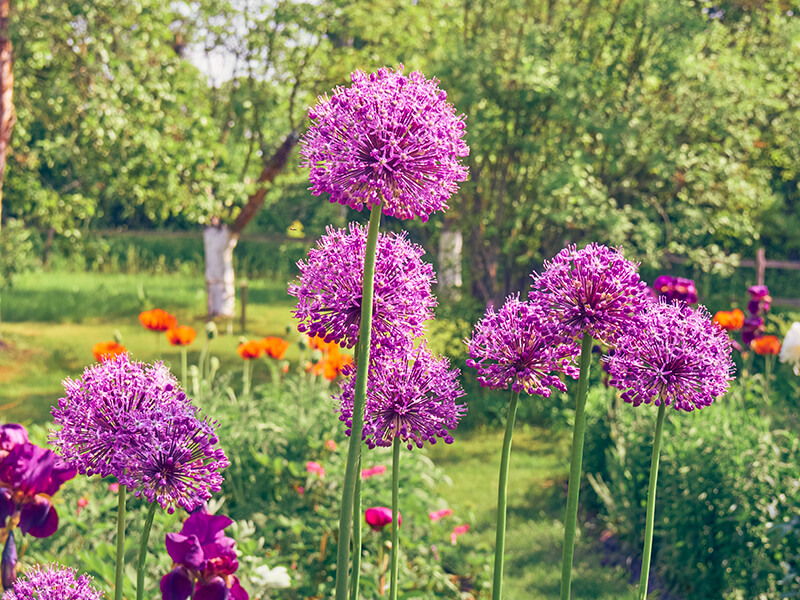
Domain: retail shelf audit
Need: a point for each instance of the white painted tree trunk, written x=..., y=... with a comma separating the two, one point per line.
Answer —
x=218, y=243
x=450, y=246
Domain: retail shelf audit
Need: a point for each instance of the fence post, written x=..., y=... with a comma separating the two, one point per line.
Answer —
x=243, y=285
x=761, y=265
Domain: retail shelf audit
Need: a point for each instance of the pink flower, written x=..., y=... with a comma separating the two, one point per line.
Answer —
x=315, y=467
x=457, y=531
x=300, y=490
x=83, y=502
x=113, y=488
x=440, y=514
x=372, y=471
x=330, y=445
x=380, y=516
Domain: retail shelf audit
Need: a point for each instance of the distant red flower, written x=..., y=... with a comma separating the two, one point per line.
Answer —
x=83, y=502
x=105, y=350
x=275, y=347
x=157, y=320
x=330, y=445
x=732, y=320
x=372, y=471
x=315, y=467
x=182, y=335
x=250, y=350
x=440, y=514
x=380, y=516
x=457, y=531
x=768, y=344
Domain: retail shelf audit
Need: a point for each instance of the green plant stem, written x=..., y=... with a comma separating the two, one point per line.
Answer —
x=184, y=367
x=148, y=523
x=201, y=361
x=651, y=504
x=578, y=432
x=355, y=575
x=502, y=500
x=120, y=566
x=246, y=379
x=395, y=518
x=767, y=376
x=359, y=394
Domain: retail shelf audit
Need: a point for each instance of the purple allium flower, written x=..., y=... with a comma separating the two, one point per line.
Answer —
x=53, y=582
x=29, y=476
x=508, y=349
x=105, y=411
x=676, y=288
x=676, y=355
x=387, y=136
x=410, y=394
x=330, y=286
x=205, y=561
x=177, y=460
x=594, y=290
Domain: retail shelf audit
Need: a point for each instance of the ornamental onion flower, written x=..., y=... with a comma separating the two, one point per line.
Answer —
x=790, y=349
x=387, y=137
x=53, y=582
x=330, y=286
x=410, y=396
x=509, y=350
x=677, y=356
x=593, y=291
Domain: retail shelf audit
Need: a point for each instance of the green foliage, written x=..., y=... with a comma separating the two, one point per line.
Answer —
x=16, y=251
x=726, y=503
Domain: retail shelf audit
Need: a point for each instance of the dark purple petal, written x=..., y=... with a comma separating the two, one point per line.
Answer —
x=214, y=589
x=7, y=506
x=185, y=550
x=38, y=518
x=12, y=434
x=176, y=585
x=33, y=470
x=207, y=528
x=237, y=591
x=8, y=564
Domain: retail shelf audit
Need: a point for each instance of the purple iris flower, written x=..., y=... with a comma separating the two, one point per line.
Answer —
x=205, y=561
x=760, y=300
x=11, y=434
x=30, y=475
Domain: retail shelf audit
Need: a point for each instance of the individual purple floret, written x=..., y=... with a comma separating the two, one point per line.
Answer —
x=386, y=136
x=508, y=350
x=101, y=413
x=677, y=355
x=177, y=461
x=330, y=285
x=594, y=290
x=53, y=582
x=410, y=395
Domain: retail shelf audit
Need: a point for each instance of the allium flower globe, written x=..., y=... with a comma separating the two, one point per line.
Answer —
x=53, y=582
x=330, y=286
x=593, y=291
x=411, y=396
x=509, y=350
x=677, y=356
x=388, y=136
x=790, y=349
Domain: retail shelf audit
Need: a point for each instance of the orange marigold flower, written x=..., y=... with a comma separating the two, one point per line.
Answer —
x=275, y=347
x=767, y=344
x=250, y=350
x=158, y=320
x=105, y=350
x=183, y=335
x=732, y=320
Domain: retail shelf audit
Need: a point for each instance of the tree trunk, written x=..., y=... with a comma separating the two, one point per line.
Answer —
x=7, y=115
x=450, y=246
x=219, y=240
x=218, y=243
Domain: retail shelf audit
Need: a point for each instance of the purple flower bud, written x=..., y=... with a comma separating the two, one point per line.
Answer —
x=8, y=564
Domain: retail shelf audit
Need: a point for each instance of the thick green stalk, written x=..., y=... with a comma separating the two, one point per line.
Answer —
x=502, y=500
x=120, y=566
x=578, y=432
x=148, y=523
x=184, y=367
x=246, y=379
x=355, y=574
x=359, y=394
x=395, y=518
x=651, y=503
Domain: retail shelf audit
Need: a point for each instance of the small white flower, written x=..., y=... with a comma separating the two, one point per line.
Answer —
x=790, y=350
x=277, y=578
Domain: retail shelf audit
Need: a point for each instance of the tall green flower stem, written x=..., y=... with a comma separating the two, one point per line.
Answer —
x=246, y=374
x=651, y=503
x=502, y=500
x=395, y=518
x=359, y=394
x=578, y=433
x=148, y=523
x=120, y=566
x=767, y=375
x=184, y=366
x=355, y=575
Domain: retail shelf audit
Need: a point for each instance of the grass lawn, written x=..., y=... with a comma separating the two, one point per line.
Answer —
x=536, y=501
